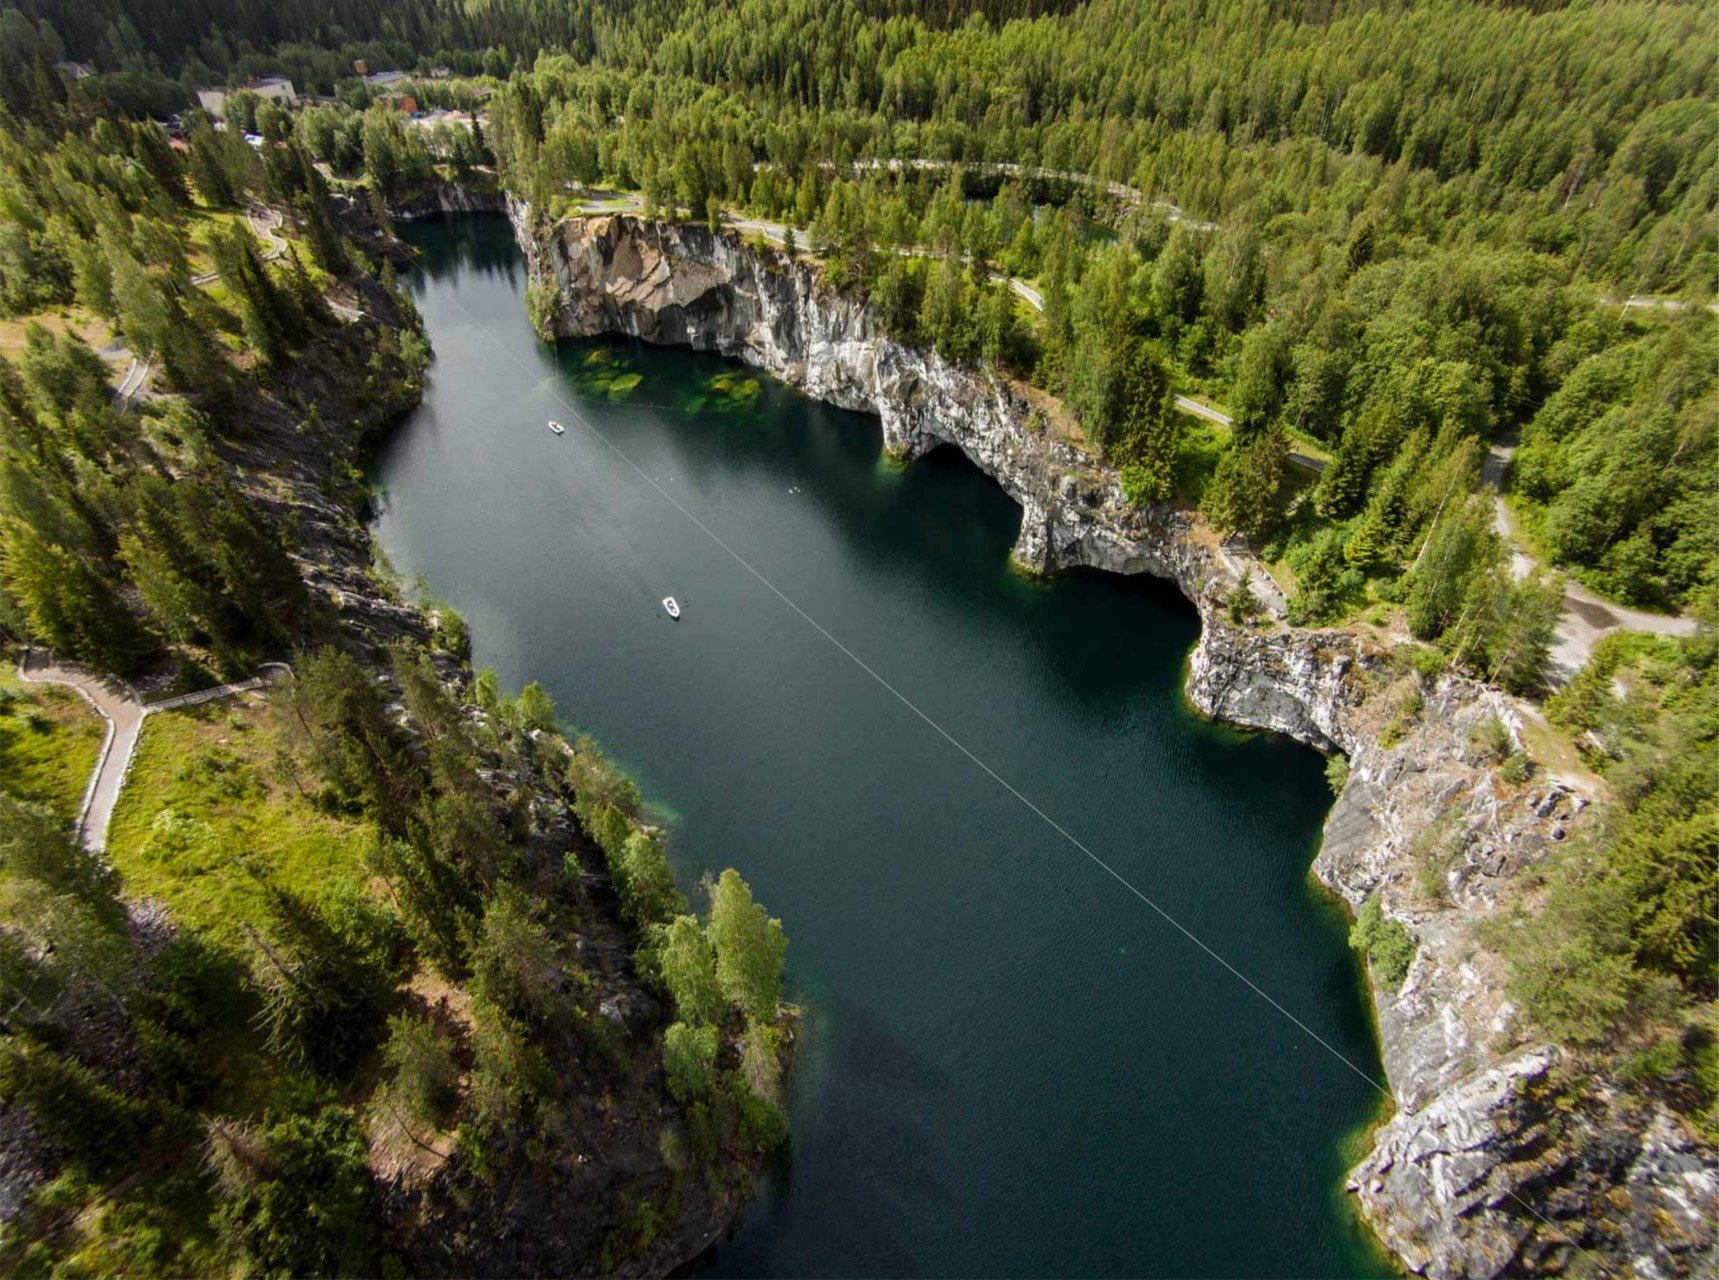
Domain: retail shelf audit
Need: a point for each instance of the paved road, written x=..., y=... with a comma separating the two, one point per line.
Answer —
x=1585, y=617
x=118, y=705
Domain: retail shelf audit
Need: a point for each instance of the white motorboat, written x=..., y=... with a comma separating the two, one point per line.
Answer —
x=671, y=607
x=556, y=427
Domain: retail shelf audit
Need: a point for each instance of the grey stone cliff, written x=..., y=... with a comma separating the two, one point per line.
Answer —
x=1473, y=1174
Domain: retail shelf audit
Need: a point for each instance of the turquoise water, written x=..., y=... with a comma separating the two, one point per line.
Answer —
x=1010, y=1066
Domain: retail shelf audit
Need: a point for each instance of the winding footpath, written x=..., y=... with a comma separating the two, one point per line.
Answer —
x=117, y=703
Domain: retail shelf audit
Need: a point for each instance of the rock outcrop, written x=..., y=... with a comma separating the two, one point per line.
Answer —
x=450, y=198
x=1474, y=1174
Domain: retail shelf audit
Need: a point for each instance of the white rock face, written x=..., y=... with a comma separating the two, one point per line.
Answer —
x=449, y=198
x=1474, y=1175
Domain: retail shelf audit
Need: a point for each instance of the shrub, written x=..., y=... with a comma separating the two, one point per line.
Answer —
x=688, y=966
x=1424, y=660
x=1387, y=944
x=1515, y=768
x=452, y=634
x=323, y=985
x=1325, y=584
x=646, y=882
x=510, y=1074
x=1243, y=605
x=1337, y=773
x=100, y=1125
x=426, y=1079
x=535, y=709
x=1491, y=740
x=749, y=947
x=761, y=1061
x=762, y=1122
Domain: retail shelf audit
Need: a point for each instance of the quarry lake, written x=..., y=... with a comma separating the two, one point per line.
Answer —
x=1010, y=1065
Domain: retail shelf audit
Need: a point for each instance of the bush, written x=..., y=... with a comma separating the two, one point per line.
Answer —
x=645, y=880
x=1325, y=584
x=1515, y=768
x=101, y=1126
x=1387, y=944
x=510, y=1074
x=426, y=1078
x=535, y=709
x=1491, y=740
x=749, y=947
x=1243, y=605
x=323, y=984
x=762, y=1123
x=452, y=635
x=1139, y=486
x=688, y=965
x=1424, y=660
x=1337, y=773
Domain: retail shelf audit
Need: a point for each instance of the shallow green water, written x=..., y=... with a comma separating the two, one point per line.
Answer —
x=1011, y=1066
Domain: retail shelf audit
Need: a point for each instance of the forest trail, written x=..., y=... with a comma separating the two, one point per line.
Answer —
x=118, y=704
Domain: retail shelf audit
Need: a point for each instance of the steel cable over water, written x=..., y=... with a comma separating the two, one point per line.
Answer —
x=953, y=741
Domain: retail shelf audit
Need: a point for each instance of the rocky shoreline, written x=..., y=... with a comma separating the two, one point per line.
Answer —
x=1479, y=1171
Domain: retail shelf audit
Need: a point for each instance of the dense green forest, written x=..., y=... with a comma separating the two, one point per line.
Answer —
x=217, y=1036
x=1338, y=246
x=1388, y=231
x=1384, y=237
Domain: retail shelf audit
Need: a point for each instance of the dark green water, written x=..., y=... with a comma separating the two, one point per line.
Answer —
x=1011, y=1066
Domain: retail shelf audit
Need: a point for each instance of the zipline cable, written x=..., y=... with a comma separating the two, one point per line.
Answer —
x=955, y=742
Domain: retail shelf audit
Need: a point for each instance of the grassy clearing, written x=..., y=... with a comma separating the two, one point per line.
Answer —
x=49, y=741
x=79, y=320
x=211, y=809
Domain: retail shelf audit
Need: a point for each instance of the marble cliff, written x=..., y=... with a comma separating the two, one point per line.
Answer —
x=1478, y=1170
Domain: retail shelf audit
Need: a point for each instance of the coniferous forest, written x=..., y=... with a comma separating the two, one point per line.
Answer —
x=1441, y=276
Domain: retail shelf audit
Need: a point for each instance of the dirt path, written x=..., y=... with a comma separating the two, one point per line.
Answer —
x=117, y=703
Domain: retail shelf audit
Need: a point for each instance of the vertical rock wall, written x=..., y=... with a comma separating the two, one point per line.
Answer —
x=1476, y=1173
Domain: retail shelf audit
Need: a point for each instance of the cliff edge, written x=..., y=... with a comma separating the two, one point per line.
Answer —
x=1483, y=1168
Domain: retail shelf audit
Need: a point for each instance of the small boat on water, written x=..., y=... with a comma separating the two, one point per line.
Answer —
x=671, y=607
x=556, y=427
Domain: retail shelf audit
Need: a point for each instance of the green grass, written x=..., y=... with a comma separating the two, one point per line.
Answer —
x=1198, y=448
x=49, y=741
x=207, y=815
x=1301, y=442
